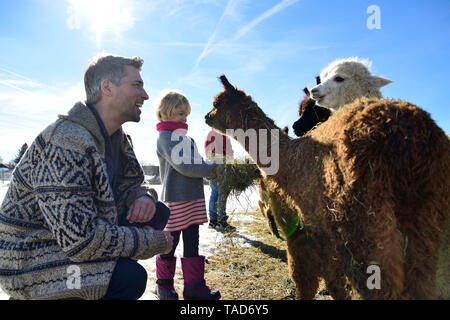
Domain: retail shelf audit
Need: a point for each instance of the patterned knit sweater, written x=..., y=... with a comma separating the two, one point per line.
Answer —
x=60, y=212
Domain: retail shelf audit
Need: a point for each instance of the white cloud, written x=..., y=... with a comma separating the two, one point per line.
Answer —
x=27, y=106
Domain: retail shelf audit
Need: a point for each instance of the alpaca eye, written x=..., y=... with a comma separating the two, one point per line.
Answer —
x=338, y=79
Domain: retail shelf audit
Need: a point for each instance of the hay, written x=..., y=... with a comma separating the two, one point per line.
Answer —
x=253, y=266
x=236, y=177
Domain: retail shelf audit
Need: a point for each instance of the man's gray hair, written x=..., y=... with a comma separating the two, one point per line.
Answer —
x=106, y=67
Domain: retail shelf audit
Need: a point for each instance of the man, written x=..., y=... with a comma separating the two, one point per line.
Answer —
x=77, y=215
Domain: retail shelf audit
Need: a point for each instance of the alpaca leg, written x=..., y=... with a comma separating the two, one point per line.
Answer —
x=387, y=255
x=425, y=255
x=332, y=269
x=306, y=290
x=336, y=284
x=335, y=279
x=443, y=268
x=425, y=265
x=303, y=270
x=372, y=247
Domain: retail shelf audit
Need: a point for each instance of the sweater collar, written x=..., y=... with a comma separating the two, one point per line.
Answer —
x=80, y=114
x=172, y=126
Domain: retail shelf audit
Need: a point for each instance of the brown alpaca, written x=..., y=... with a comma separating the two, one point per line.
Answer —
x=310, y=115
x=345, y=178
x=310, y=256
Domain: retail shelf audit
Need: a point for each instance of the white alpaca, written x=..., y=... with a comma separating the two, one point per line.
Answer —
x=345, y=80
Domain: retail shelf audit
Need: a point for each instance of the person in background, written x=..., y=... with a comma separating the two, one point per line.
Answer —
x=218, y=149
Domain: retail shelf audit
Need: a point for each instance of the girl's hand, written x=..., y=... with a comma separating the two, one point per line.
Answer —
x=219, y=169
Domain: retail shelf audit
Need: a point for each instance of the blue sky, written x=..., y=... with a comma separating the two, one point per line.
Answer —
x=271, y=49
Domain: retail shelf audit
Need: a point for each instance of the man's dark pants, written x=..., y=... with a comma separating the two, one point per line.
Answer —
x=129, y=278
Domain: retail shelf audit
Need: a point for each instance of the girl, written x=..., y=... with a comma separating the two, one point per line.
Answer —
x=182, y=170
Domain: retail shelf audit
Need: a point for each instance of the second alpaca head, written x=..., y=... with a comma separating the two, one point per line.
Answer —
x=345, y=80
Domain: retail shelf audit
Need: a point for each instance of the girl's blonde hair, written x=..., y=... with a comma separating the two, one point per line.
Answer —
x=169, y=103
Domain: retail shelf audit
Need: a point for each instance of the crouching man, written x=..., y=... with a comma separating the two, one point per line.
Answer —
x=77, y=204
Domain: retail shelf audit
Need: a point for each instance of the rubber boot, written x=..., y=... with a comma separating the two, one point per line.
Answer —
x=195, y=287
x=165, y=271
x=223, y=225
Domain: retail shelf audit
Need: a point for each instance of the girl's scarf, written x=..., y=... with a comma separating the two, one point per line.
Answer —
x=172, y=126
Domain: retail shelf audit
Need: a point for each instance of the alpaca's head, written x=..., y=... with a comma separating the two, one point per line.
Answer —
x=345, y=80
x=233, y=109
x=307, y=102
x=310, y=114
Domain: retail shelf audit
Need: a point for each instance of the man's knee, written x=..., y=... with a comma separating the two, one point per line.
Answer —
x=140, y=279
x=161, y=217
x=128, y=281
x=135, y=279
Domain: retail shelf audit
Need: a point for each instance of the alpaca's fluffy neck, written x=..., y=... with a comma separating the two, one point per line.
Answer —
x=271, y=146
x=370, y=92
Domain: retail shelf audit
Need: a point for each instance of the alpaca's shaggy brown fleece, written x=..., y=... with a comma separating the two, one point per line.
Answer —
x=309, y=254
x=372, y=182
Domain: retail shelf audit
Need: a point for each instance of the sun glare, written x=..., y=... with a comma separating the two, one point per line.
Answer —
x=101, y=16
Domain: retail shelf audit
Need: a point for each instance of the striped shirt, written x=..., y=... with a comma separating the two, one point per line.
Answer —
x=186, y=213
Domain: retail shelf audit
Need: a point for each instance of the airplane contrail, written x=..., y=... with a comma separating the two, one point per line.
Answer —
x=213, y=35
x=245, y=29
x=267, y=14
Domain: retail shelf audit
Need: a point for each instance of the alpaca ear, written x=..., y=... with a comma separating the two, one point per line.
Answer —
x=378, y=81
x=306, y=91
x=226, y=84
x=318, y=80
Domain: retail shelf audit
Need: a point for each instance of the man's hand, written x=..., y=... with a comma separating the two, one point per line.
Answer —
x=142, y=210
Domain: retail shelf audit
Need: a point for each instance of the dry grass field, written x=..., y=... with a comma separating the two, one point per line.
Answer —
x=252, y=264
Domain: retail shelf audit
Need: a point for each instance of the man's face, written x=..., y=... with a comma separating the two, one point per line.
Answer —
x=130, y=95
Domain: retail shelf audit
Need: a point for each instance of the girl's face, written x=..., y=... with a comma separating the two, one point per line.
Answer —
x=179, y=115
